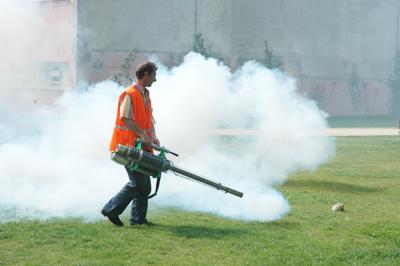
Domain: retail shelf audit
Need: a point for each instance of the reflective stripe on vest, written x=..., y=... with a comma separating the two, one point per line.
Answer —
x=121, y=127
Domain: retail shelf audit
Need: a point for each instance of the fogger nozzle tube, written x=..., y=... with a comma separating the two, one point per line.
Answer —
x=127, y=156
x=206, y=181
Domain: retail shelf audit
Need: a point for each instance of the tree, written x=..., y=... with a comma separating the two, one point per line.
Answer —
x=198, y=45
x=123, y=77
x=394, y=84
x=270, y=60
x=358, y=92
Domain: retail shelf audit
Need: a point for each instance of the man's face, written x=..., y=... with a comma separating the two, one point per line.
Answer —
x=150, y=78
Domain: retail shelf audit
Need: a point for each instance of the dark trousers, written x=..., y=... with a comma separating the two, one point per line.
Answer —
x=136, y=190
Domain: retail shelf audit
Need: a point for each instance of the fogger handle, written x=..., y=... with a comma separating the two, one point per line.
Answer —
x=158, y=148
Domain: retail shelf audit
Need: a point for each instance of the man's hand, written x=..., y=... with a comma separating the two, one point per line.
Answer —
x=156, y=141
x=146, y=138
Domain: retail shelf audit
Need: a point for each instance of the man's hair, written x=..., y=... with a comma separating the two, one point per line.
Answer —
x=148, y=67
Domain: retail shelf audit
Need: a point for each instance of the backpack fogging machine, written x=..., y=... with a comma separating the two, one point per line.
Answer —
x=136, y=159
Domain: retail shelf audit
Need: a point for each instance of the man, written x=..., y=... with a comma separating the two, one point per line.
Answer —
x=134, y=120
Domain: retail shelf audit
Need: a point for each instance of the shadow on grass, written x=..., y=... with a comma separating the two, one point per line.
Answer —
x=192, y=231
x=283, y=225
x=332, y=186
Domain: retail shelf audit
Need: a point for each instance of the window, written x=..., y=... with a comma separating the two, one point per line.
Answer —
x=55, y=74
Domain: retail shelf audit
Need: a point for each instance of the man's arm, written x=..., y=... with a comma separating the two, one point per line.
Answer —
x=131, y=124
x=127, y=117
x=153, y=134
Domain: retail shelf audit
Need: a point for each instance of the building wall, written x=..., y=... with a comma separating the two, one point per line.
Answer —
x=319, y=42
x=46, y=57
x=324, y=38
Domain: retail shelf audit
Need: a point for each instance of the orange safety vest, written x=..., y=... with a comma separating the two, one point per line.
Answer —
x=142, y=116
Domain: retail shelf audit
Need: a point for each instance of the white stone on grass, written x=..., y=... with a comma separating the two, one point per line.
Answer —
x=338, y=207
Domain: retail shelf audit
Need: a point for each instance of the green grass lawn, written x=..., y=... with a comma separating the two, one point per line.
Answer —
x=363, y=121
x=365, y=176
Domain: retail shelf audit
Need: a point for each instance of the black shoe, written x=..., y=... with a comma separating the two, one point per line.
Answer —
x=114, y=219
x=146, y=222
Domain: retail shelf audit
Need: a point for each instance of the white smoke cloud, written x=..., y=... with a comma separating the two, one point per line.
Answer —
x=57, y=164
x=200, y=95
x=63, y=169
